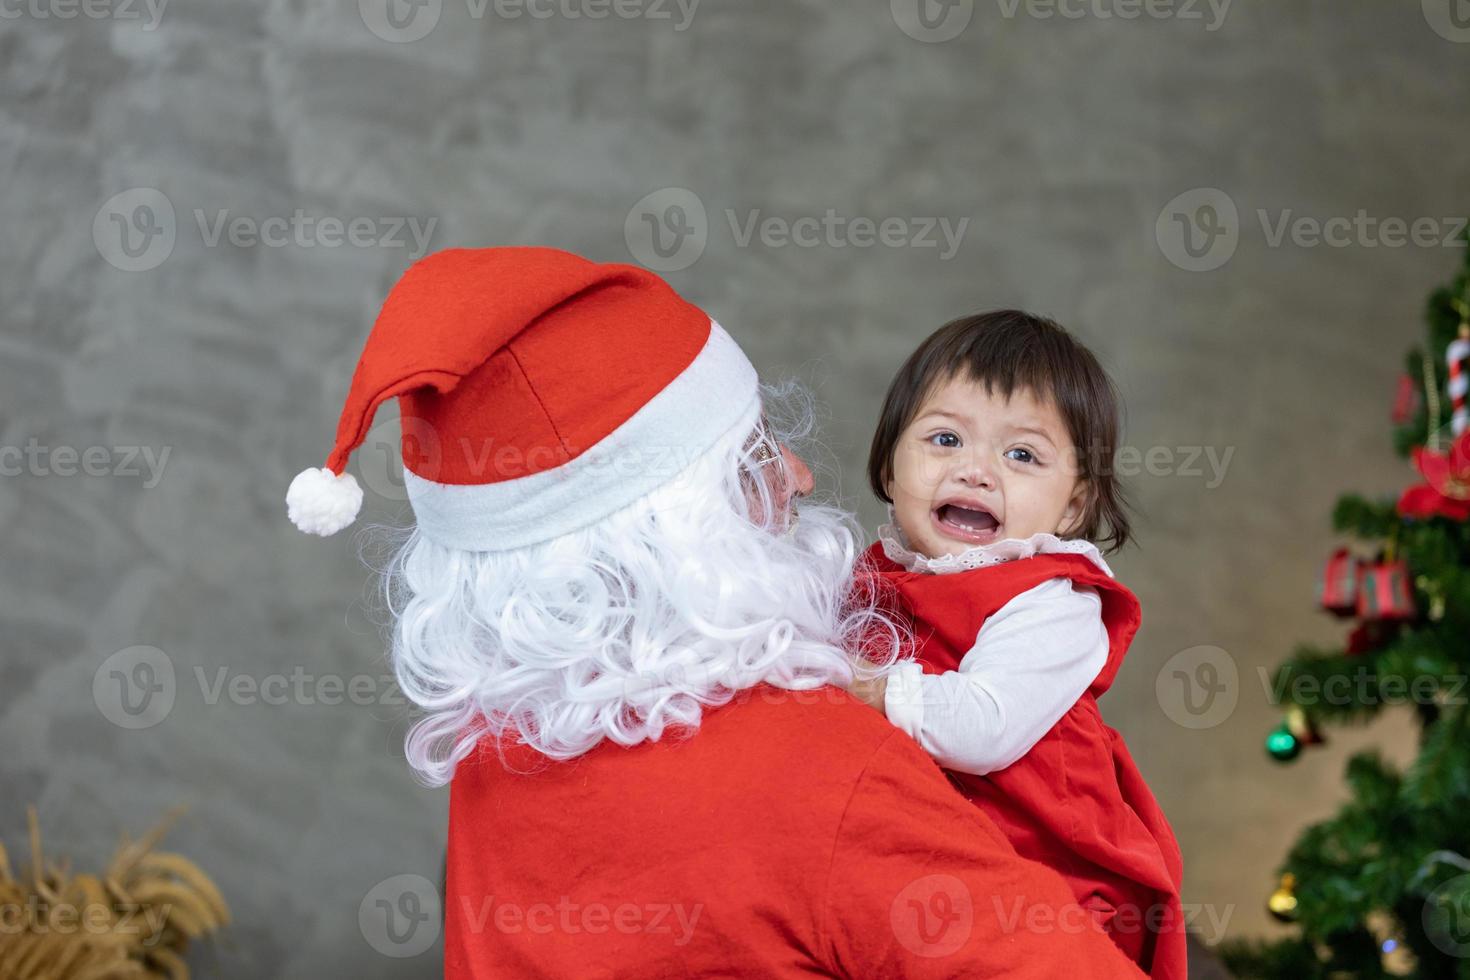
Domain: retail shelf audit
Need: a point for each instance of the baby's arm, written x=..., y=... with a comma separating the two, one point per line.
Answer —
x=1031, y=661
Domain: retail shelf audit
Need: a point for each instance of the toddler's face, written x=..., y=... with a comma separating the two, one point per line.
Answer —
x=973, y=468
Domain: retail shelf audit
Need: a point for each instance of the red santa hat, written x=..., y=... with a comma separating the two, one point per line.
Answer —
x=538, y=393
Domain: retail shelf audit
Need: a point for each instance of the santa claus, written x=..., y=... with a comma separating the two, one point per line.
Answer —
x=629, y=644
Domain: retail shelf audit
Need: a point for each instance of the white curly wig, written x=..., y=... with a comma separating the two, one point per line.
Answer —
x=628, y=629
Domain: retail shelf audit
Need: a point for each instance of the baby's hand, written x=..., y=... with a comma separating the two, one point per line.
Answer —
x=870, y=692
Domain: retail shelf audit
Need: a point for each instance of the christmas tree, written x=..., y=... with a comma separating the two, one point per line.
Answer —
x=1382, y=889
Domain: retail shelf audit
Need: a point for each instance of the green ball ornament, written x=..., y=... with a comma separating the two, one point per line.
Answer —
x=1282, y=744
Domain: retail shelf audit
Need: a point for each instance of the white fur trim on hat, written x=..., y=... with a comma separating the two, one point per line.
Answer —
x=321, y=502
x=716, y=392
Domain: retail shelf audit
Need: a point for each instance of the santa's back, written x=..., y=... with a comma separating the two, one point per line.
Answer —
x=793, y=834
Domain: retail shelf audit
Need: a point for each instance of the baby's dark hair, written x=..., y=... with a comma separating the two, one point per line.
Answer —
x=1008, y=350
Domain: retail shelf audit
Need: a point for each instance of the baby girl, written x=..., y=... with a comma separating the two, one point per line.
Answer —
x=994, y=451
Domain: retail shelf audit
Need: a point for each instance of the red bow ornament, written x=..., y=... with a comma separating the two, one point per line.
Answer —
x=1446, y=492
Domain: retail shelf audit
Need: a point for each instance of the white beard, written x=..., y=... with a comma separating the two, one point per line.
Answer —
x=622, y=630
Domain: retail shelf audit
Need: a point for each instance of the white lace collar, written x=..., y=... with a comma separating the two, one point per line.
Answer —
x=896, y=547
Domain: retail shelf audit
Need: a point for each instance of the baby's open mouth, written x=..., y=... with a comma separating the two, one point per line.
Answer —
x=971, y=524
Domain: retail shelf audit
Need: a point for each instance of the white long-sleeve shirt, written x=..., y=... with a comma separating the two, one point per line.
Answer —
x=1031, y=661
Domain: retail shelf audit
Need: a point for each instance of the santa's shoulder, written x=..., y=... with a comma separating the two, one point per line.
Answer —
x=792, y=761
x=825, y=722
x=796, y=752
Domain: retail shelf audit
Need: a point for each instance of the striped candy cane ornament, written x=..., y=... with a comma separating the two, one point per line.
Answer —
x=1455, y=357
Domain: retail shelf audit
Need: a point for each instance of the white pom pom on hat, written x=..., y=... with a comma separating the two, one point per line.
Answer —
x=322, y=502
x=538, y=393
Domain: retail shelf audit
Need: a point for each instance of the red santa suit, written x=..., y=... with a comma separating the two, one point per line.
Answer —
x=1075, y=801
x=791, y=835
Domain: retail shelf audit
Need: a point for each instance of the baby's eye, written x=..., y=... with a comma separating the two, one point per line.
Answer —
x=946, y=439
x=1026, y=453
